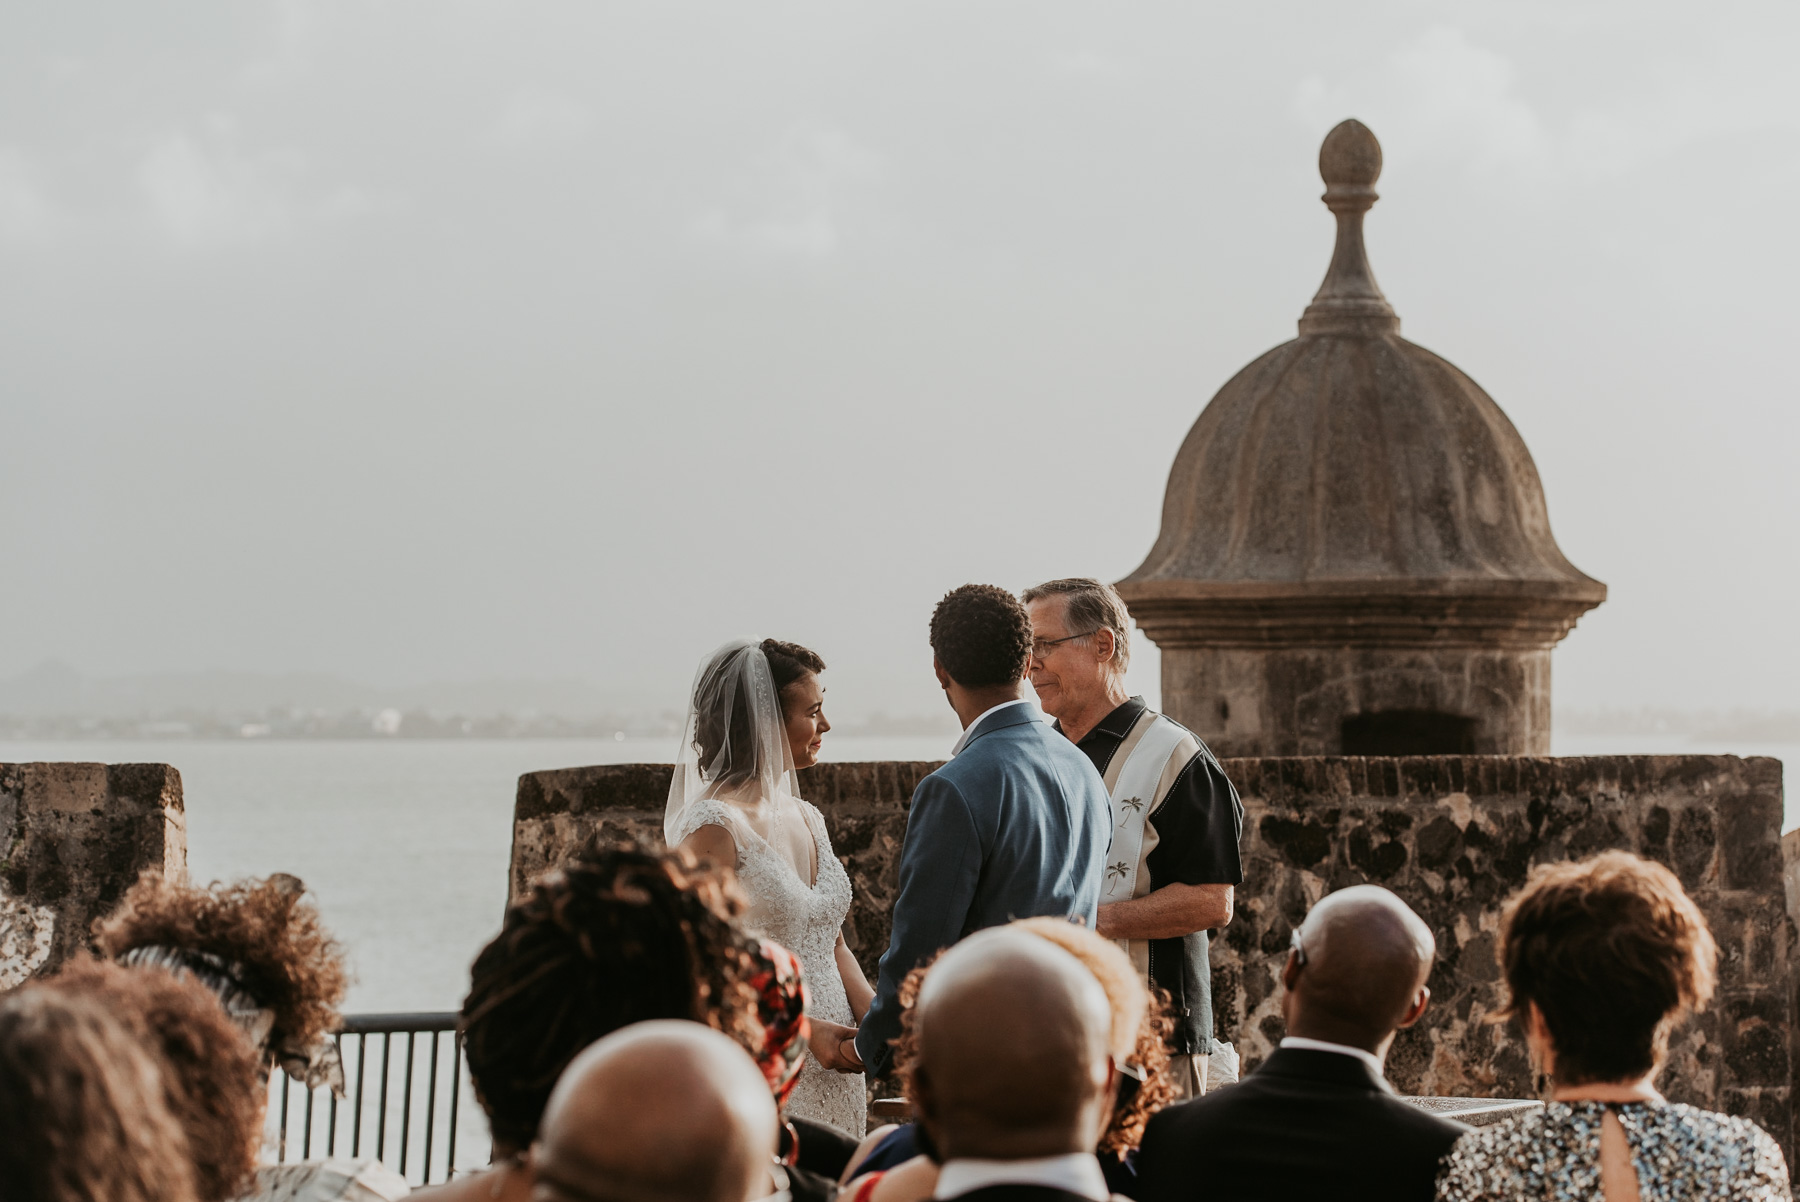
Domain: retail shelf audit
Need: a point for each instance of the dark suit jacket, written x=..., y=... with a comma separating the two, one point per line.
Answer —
x=1016, y=826
x=1305, y=1126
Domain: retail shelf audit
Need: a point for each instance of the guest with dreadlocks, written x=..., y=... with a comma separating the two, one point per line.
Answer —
x=617, y=936
x=260, y=948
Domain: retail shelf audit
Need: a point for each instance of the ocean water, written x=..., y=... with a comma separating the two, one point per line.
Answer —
x=405, y=843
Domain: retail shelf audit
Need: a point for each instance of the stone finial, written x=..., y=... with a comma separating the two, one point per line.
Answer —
x=1350, y=157
x=1349, y=301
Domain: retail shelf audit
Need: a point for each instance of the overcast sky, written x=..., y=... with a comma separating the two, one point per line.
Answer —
x=416, y=341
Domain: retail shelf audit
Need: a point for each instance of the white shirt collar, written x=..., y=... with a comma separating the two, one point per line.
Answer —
x=1077, y=1172
x=970, y=728
x=1343, y=1049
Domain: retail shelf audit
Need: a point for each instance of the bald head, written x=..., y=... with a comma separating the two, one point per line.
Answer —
x=1359, y=973
x=664, y=1111
x=1013, y=1055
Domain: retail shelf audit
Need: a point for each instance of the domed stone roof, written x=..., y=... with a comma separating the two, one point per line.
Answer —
x=1350, y=463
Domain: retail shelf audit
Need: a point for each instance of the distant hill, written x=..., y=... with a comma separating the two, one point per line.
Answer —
x=1746, y=726
x=55, y=701
x=55, y=688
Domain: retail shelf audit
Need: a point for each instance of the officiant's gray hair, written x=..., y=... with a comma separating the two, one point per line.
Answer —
x=1091, y=605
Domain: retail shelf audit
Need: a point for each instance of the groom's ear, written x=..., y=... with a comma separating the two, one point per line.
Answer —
x=943, y=676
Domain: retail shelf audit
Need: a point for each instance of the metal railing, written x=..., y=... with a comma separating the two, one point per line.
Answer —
x=403, y=1100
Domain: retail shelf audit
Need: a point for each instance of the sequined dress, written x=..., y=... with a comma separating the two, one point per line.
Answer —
x=806, y=921
x=1681, y=1153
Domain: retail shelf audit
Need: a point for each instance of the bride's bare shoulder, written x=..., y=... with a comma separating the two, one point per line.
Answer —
x=712, y=841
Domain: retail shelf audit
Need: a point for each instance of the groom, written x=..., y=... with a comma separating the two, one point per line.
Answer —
x=1014, y=826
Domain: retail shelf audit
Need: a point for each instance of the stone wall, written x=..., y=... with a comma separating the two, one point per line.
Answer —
x=1452, y=835
x=73, y=838
x=864, y=807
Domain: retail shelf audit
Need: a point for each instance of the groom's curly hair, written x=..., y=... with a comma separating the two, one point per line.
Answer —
x=981, y=636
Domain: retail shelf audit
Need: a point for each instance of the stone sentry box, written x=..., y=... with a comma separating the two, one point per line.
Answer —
x=73, y=838
x=1355, y=555
x=1452, y=835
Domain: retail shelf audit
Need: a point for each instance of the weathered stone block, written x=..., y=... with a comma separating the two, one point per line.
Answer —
x=73, y=838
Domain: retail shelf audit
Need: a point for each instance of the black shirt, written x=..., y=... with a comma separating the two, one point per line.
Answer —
x=1198, y=825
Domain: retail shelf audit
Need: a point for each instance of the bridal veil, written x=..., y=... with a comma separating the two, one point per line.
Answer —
x=734, y=749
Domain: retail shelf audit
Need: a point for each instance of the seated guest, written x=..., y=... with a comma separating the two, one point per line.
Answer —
x=617, y=936
x=211, y=1077
x=1013, y=1077
x=259, y=946
x=83, y=1116
x=1318, y=1119
x=1139, y=1047
x=662, y=1111
x=1600, y=958
x=262, y=950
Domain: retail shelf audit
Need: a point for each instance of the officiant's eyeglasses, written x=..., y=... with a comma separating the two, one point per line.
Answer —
x=1041, y=647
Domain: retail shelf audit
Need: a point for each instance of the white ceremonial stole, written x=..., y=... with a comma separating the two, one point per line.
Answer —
x=1132, y=796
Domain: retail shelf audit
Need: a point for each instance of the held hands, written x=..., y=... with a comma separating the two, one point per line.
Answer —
x=833, y=1045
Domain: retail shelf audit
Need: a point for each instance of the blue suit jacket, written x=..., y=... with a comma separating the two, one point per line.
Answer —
x=1016, y=826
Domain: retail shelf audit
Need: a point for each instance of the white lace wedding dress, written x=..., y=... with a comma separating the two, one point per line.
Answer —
x=806, y=922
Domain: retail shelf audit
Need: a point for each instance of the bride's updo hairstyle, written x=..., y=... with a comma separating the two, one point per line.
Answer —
x=790, y=663
x=722, y=709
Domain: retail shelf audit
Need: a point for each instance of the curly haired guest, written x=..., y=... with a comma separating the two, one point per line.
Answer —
x=210, y=1074
x=1601, y=957
x=889, y=1166
x=1014, y=826
x=617, y=936
x=83, y=1116
x=261, y=949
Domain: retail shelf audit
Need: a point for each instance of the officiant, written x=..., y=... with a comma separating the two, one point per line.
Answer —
x=1174, y=865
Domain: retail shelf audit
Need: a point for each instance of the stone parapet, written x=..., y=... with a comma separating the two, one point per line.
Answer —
x=1453, y=835
x=864, y=807
x=73, y=838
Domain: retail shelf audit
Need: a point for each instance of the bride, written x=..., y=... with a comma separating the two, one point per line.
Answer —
x=757, y=715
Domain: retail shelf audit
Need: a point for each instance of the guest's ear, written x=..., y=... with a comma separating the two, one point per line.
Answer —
x=1290, y=972
x=943, y=676
x=1416, y=1011
x=1109, y=1097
